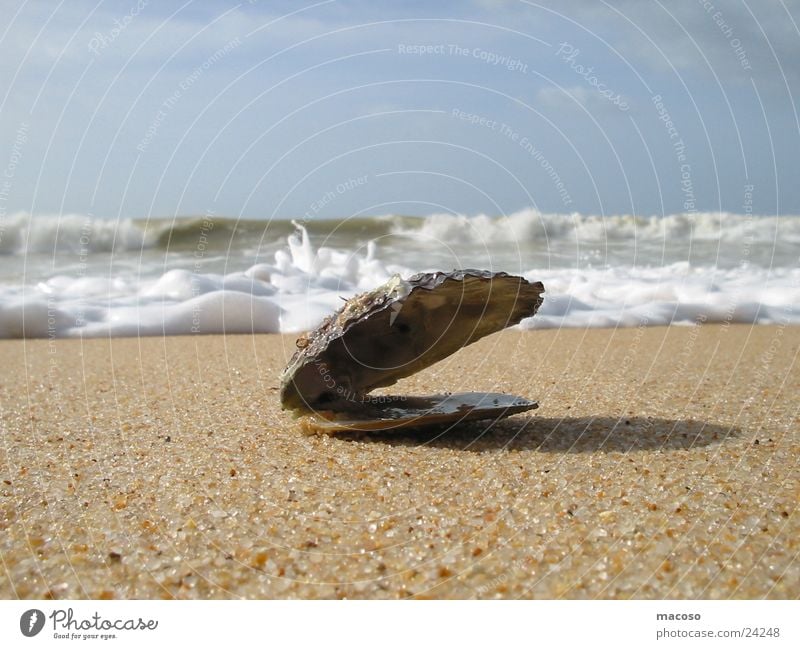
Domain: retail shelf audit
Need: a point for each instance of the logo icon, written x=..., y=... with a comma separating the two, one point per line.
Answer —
x=31, y=622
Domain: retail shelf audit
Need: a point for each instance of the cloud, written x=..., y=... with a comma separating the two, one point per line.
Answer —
x=733, y=41
x=579, y=99
x=726, y=39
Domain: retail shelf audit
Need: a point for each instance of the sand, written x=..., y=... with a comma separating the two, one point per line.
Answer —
x=662, y=463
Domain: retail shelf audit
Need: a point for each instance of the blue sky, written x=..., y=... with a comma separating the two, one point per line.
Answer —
x=292, y=109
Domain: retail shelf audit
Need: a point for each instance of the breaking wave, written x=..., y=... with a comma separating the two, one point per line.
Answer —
x=530, y=225
x=22, y=233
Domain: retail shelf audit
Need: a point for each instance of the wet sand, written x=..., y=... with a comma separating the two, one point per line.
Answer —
x=662, y=463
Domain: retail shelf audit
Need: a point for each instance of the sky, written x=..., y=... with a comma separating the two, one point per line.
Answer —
x=336, y=108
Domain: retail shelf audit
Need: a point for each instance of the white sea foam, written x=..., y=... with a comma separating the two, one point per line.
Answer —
x=295, y=293
x=303, y=281
x=675, y=294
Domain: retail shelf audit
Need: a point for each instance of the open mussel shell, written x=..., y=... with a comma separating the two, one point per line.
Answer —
x=387, y=413
x=396, y=330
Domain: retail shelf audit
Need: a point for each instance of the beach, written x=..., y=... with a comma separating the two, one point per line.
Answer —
x=663, y=462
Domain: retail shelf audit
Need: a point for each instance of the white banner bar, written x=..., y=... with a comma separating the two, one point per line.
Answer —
x=403, y=625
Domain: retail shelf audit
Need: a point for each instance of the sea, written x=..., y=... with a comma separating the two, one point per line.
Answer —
x=73, y=275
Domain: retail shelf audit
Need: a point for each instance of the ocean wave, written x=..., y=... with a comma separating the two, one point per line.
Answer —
x=21, y=233
x=532, y=226
x=304, y=283
x=78, y=234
